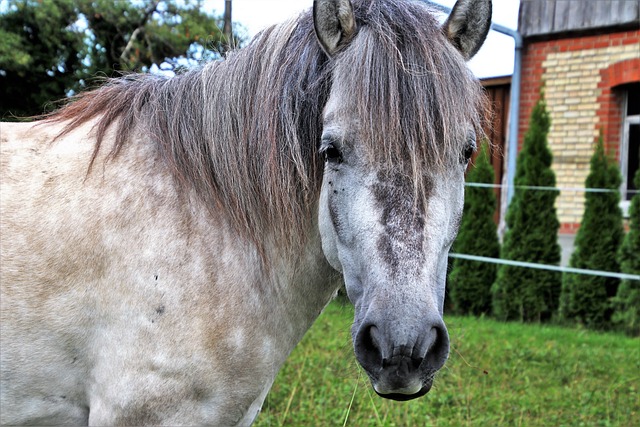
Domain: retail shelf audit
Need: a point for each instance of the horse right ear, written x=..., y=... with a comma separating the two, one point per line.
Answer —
x=468, y=25
x=334, y=23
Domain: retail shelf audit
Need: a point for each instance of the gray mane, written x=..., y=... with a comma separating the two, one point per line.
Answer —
x=244, y=132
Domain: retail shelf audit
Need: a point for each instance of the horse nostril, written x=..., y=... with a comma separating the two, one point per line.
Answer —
x=369, y=347
x=437, y=345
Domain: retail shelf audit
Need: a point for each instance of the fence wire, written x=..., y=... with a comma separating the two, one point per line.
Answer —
x=534, y=187
x=622, y=276
x=523, y=264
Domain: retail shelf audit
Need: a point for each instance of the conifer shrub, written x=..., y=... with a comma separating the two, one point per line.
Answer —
x=627, y=302
x=470, y=282
x=586, y=299
x=520, y=293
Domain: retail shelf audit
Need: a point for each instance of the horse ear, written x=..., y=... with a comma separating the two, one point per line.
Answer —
x=334, y=23
x=468, y=25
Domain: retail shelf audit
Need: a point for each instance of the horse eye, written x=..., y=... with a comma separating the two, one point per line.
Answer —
x=331, y=154
x=468, y=151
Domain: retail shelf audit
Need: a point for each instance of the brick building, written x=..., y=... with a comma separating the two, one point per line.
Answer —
x=586, y=53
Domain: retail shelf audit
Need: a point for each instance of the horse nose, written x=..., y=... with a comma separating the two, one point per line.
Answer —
x=400, y=361
x=380, y=347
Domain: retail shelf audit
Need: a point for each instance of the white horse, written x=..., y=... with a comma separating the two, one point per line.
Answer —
x=166, y=242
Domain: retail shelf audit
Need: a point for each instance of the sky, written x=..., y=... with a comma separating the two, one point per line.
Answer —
x=493, y=60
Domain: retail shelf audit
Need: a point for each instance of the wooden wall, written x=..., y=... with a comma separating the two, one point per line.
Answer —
x=542, y=17
x=498, y=90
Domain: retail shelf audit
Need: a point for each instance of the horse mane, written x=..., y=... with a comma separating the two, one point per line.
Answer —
x=244, y=132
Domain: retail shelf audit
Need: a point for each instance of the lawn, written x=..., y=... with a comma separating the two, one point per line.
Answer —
x=498, y=374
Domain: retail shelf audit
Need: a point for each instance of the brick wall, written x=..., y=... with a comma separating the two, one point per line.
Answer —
x=579, y=75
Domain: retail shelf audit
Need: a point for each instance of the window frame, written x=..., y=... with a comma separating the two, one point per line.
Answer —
x=627, y=122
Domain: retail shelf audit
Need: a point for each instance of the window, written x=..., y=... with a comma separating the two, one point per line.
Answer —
x=630, y=148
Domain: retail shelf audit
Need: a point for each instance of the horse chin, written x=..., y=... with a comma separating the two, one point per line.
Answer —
x=401, y=397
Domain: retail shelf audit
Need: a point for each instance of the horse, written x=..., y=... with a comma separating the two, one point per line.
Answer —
x=167, y=241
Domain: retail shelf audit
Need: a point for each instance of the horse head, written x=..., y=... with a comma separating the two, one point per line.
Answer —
x=396, y=144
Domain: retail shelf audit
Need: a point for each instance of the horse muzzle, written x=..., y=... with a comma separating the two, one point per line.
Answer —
x=401, y=360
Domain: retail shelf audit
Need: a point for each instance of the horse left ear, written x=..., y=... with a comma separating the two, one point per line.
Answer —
x=468, y=25
x=334, y=23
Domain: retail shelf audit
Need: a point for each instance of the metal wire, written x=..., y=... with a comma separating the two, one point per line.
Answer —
x=622, y=276
x=535, y=187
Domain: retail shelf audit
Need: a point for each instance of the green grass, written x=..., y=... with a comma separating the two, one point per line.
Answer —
x=498, y=374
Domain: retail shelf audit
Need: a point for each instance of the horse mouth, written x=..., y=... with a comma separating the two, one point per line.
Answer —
x=400, y=397
x=403, y=395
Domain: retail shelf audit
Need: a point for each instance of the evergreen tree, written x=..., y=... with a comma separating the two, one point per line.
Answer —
x=627, y=301
x=586, y=298
x=470, y=281
x=532, y=226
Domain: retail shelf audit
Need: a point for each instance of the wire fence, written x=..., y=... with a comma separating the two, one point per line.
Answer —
x=622, y=276
x=534, y=187
x=561, y=269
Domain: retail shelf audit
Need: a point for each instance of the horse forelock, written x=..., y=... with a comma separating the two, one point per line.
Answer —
x=413, y=88
x=243, y=133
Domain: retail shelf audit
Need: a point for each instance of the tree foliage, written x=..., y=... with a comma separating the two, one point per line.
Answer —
x=532, y=227
x=627, y=302
x=49, y=49
x=586, y=298
x=40, y=55
x=470, y=282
